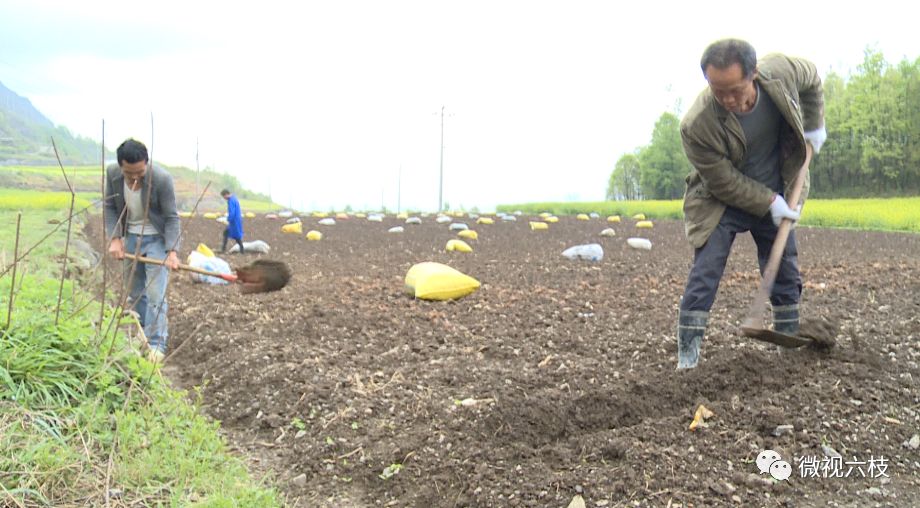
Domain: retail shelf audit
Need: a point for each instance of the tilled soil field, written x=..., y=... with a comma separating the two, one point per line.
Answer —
x=557, y=377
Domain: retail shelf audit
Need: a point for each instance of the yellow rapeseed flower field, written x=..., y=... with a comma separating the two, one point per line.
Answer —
x=890, y=214
x=22, y=199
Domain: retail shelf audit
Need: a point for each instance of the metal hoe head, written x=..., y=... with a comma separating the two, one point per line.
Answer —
x=773, y=337
x=263, y=275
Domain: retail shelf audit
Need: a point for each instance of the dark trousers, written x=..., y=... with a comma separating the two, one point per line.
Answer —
x=709, y=261
x=239, y=241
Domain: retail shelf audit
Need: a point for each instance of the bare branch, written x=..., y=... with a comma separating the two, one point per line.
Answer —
x=9, y=310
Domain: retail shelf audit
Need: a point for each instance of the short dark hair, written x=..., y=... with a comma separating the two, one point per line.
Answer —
x=225, y=192
x=724, y=53
x=131, y=151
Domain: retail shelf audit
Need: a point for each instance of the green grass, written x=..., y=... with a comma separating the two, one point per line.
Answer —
x=85, y=179
x=252, y=205
x=893, y=214
x=651, y=209
x=34, y=227
x=72, y=415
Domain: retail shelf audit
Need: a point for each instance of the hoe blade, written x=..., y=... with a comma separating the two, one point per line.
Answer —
x=780, y=339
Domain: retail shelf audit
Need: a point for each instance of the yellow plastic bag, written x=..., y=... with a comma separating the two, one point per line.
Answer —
x=552, y=219
x=469, y=234
x=211, y=215
x=202, y=248
x=485, y=220
x=644, y=224
x=458, y=245
x=613, y=218
x=639, y=216
x=296, y=227
x=537, y=226
x=582, y=216
x=186, y=215
x=314, y=235
x=249, y=215
x=402, y=216
x=435, y=281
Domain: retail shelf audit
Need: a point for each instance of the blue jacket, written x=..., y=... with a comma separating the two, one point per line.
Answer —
x=234, y=218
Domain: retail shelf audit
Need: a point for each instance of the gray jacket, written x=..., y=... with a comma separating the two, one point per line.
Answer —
x=714, y=142
x=162, y=214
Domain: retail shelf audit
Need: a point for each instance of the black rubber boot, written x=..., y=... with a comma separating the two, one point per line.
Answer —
x=786, y=319
x=691, y=326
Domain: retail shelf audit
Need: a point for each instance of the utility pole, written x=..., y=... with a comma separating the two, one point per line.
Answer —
x=197, y=167
x=441, y=184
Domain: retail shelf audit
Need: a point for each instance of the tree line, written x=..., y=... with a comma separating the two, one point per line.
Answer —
x=872, y=150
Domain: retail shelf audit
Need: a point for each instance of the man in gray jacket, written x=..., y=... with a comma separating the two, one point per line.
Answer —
x=141, y=218
x=745, y=136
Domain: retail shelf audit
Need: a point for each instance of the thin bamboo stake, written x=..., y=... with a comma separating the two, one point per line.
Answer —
x=105, y=248
x=73, y=197
x=9, y=310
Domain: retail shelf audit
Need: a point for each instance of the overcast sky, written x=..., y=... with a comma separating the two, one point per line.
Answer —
x=322, y=103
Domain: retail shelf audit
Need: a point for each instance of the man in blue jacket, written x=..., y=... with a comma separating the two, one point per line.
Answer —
x=141, y=219
x=234, y=228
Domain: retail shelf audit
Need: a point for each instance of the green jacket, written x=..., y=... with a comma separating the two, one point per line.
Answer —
x=714, y=142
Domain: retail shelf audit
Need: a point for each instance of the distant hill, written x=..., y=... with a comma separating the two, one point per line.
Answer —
x=27, y=159
x=25, y=136
x=88, y=180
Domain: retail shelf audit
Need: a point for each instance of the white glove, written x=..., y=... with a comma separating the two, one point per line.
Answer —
x=817, y=138
x=780, y=210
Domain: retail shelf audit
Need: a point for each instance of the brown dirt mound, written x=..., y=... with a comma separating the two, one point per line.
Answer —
x=823, y=332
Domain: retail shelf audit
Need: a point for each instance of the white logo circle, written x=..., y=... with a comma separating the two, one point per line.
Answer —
x=780, y=470
x=765, y=459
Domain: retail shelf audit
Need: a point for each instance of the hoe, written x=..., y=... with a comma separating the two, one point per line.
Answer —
x=753, y=324
x=260, y=276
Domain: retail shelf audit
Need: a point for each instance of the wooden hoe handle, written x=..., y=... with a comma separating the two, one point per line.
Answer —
x=755, y=314
x=141, y=259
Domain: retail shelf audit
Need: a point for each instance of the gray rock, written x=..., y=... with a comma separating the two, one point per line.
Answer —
x=299, y=480
x=782, y=429
x=830, y=452
x=722, y=488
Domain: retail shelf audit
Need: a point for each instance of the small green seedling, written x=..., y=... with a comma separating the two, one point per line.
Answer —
x=390, y=471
